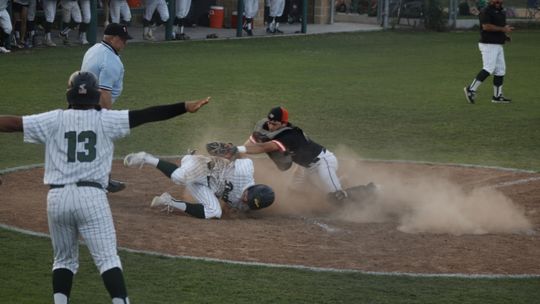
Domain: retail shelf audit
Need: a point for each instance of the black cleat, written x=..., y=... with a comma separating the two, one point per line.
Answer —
x=469, y=95
x=500, y=99
x=115, y=186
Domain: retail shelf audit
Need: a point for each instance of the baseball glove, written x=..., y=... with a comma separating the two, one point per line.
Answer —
x=221, y=149
x=259, y=137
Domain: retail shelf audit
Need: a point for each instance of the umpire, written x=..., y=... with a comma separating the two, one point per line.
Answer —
x=493, y=34
x=103, y=60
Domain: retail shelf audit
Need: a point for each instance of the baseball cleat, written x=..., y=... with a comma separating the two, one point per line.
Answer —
x=469, y=95
x=501, y=99
x=162, y=200
x=3, y=50
x=115, y=186
x=134, y=160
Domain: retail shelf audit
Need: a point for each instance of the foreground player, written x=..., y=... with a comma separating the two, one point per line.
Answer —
x=287, y=144
x=78, y=157
x=493, y=34
x=208, y=179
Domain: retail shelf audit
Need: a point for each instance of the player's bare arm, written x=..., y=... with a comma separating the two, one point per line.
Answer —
x=494, y=28
x=105, y=99
x=256, y=148
x=11, y=123
x=194, y=106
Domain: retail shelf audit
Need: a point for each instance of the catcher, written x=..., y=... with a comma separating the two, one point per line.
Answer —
x=286, y=144
x=208, y=179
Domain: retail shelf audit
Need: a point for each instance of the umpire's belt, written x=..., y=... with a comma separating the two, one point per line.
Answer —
x=80, y=184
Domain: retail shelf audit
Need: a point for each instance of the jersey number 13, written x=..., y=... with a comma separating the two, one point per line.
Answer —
x=89, y=138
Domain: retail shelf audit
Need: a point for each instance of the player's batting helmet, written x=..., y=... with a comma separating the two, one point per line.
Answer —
x=259, y=196
x=83, y=89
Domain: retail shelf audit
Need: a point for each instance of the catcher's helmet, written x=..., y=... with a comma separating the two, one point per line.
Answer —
x=82, y=89
x=259, y=196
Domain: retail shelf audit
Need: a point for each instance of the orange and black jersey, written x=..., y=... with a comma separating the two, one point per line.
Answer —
x=295, y=142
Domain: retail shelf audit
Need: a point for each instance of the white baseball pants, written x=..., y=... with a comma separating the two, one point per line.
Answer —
x=493, y=58
x=120, y=8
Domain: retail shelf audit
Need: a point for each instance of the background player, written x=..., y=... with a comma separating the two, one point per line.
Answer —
x=182, y=10
x=5, y=27
x=251, y=7
x=493, y=34
x=156, y=13
x=78, y=157
x=208, y=179
x=120, y=12
x=71, y=17
x=275, y=12
x=286, y=143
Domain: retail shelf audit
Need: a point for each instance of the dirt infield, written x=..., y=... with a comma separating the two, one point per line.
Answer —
x=428, y=219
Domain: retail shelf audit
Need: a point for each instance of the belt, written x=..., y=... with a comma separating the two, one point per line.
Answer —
x=80, y=184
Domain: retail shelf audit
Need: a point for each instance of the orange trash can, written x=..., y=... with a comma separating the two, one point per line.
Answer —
x=134, y=3
x=216, y=15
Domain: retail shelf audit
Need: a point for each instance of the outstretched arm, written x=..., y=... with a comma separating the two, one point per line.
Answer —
x=157, y=113
x=11, y=124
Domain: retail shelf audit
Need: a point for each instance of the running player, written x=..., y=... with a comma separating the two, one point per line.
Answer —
x=208, y=179
x=78, y=157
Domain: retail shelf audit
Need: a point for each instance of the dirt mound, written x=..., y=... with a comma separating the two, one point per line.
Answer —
x=428, y=219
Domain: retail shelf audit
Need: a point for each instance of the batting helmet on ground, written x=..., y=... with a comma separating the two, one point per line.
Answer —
x=83, y=89
x=259, y=196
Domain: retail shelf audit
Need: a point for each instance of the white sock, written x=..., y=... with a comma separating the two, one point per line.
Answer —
x=120, y=301
x=497, y=91
x=475, y=84
x=178, y=204
x=60, y=298
x=151, y=160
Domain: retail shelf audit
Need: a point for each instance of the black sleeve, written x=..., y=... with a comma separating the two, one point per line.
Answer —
x=166, y=167
x=157, y=113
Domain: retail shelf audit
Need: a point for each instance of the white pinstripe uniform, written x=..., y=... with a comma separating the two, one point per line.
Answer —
x=152, y=5
x=5, y=19
x=251, y=7
x=276, y=8
x=79, y=147
x=119, y=9
x=182, y=8
x=71, y=11
x=226, y=180
x=85, y=11
x=49, y=9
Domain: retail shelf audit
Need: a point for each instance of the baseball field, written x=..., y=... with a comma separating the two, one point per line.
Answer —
x=459, y=219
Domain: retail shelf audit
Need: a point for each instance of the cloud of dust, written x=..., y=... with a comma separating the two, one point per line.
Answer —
x=418, y=202
x=428, y=202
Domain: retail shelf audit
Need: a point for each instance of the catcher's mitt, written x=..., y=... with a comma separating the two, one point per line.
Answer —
x=221, y=149
x=259, y=137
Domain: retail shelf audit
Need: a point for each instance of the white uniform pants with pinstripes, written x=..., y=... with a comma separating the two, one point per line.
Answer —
x=119, y=9
x=81, y=211
x=322, y=174
x=251, y=7
x=193, y=173
x=493, y=58
x=152, y=5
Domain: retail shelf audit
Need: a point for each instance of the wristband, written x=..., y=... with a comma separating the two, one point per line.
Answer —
x=241, y=149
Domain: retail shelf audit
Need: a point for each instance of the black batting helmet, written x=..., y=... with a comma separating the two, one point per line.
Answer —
x=259, y=196
x=82, y=89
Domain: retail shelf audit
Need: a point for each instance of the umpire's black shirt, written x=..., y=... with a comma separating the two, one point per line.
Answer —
x=496, y=16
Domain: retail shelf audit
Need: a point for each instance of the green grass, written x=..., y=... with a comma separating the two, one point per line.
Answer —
x=165, y=280
x=387, y=95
